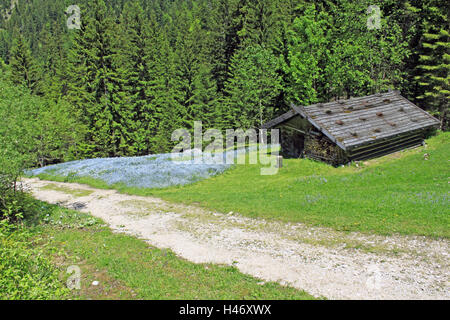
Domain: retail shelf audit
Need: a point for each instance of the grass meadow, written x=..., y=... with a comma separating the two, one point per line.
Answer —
x=36, y=256
x=406, y=192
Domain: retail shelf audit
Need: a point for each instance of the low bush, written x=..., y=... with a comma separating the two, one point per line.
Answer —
x=25, y=272
x=33, y=132
x=28, y=137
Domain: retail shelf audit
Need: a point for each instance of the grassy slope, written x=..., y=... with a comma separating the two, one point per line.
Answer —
x=400, y=193
x=407, y=195
x=128, y=268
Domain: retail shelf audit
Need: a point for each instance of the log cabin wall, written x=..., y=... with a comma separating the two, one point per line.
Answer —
x=323, y=149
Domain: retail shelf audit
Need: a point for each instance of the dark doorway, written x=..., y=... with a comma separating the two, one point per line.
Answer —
x=292, y=143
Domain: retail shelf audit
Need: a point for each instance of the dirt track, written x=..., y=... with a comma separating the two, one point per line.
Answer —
x=321, y=261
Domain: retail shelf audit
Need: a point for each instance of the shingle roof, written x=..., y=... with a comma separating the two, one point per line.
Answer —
x=357, y=121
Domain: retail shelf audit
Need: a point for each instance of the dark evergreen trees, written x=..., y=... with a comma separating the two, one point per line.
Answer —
x=54, y=74
x=23, y=68
x=252, y=88
x=196, y=90
x=431, y=70
x=435, y=63
x=96, y=86
x=138, y=70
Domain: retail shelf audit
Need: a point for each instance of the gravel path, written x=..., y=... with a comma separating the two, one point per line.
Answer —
x=321, y=261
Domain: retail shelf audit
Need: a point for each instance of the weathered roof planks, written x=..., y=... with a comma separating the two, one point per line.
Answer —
x=361, y=121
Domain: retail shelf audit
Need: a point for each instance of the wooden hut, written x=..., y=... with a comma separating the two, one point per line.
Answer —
x=352, y=130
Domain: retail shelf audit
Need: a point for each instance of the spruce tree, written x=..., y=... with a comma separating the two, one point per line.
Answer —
x=4, y=70
x=96, y=85
x=252, y=88
x=435, y=65
x=196, y=90
x=225, y=24
x=165, y=95
x=258, y=22
x=141, y=47
x=54, y=75
x=5, y=43
x=23, y=68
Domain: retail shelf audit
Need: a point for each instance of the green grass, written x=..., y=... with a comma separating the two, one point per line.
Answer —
x=74, y=192
x=128, y=268
x=400, y=193
x=25, y=273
